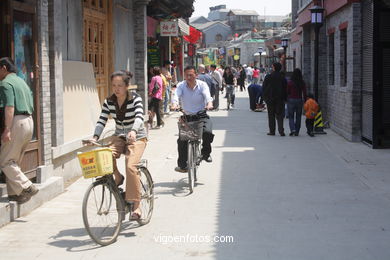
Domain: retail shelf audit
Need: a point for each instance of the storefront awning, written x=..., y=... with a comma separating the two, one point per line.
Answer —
x=183, y=27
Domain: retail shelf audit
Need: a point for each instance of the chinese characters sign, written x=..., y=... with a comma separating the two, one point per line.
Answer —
x=170, y=28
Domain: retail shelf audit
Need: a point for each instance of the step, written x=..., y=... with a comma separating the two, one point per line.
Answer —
x=3, y=190
x=10, y=210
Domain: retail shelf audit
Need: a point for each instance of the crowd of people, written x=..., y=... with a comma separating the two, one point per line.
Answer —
x=267, y=88
x=196, y=94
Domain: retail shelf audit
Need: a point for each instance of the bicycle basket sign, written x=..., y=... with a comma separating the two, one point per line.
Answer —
x=96, y=163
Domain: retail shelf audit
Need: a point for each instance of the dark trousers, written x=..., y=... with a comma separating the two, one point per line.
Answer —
x=242, y=86
x=294, y=107
x=275, y=111
x=309, y=125
x=252, y=98
x=216, y=99
x=154, y=106
x=207, y=139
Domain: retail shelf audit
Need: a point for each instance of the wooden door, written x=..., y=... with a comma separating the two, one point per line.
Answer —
x=95, y=42
x=24, y=52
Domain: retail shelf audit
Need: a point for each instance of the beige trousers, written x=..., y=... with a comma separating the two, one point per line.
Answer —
x=11, y=154
x=133, y=154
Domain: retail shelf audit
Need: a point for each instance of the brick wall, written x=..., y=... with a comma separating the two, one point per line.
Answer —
x=140, y=35
x=44, y=64
x=344, y=102
x=56, y=77
x=307, y=64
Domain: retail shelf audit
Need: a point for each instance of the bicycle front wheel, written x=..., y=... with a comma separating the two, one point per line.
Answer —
x=228, y=100
x=191, y=164
x=197, y=155
x=102, y=213
x=147, y=196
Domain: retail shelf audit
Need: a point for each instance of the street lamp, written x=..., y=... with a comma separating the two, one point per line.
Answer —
x=285, y=45
x=317, y=13
x=260, y=51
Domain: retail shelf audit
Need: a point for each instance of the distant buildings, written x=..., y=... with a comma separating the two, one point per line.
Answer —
x=235, y=36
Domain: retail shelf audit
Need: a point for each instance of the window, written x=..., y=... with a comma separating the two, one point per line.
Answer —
x=343, y=57
x=218, y=37
x=331, y=59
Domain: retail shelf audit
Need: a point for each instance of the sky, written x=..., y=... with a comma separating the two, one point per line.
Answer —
x=271, y=7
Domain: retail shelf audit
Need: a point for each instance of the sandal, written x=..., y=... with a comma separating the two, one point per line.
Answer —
x=136, y=215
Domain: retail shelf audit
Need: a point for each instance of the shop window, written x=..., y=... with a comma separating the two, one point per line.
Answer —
x=218, y=37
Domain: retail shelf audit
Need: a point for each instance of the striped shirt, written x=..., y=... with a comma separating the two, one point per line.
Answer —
x=130, y=117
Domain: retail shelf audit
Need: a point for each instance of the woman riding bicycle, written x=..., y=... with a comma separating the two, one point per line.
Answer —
x=130, y=136
x=228, y=80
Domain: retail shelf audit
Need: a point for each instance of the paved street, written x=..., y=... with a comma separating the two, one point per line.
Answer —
x=278, y=197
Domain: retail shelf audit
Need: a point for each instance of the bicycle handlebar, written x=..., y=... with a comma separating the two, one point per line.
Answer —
x=87, y=141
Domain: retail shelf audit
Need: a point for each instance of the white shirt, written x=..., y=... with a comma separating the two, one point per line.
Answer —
x=192, y=100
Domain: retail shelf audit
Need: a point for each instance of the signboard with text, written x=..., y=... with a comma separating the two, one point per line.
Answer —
x=169, y=28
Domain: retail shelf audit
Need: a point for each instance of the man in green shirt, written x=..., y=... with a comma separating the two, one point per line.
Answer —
x=17, y=102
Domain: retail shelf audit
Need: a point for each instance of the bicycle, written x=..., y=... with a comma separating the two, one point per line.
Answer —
x=229, y=93
x=191, y=131
x=104, y=206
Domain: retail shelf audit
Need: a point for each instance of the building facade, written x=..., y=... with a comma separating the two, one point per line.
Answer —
x=353, y=48
x=66, y=50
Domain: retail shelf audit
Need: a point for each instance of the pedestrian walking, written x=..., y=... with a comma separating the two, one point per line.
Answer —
x=241, y=78
x=311, y=108
x=155, y=93
x=256, y=75
x=218, y=80
x=275, y=92
x=202, y=75
x=16, y=99
x=296, y=94
x=167, y=74
x=249, y=72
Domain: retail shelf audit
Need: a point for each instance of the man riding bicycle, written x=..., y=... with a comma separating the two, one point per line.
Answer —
x=194, y=97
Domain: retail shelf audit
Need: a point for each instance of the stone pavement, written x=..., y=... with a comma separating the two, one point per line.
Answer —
x=278, y=197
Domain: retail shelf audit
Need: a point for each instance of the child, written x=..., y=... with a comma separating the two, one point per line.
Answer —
x=311, y=108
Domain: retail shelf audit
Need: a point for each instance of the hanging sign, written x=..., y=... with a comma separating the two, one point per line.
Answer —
x=169, y=28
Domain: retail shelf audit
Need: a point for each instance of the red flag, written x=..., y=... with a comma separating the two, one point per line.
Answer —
x=194, y=35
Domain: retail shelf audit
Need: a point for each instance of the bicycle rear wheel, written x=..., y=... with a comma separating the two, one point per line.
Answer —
x=191, y=164
x=102, y=213
x=147, y=196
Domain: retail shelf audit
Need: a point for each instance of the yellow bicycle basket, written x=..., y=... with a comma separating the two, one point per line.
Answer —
x=95, y=163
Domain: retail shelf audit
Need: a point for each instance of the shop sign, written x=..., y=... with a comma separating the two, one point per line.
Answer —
x=169, y=28
x=153, y=56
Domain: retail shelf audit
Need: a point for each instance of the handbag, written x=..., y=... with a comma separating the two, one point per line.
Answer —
x=156, y=87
